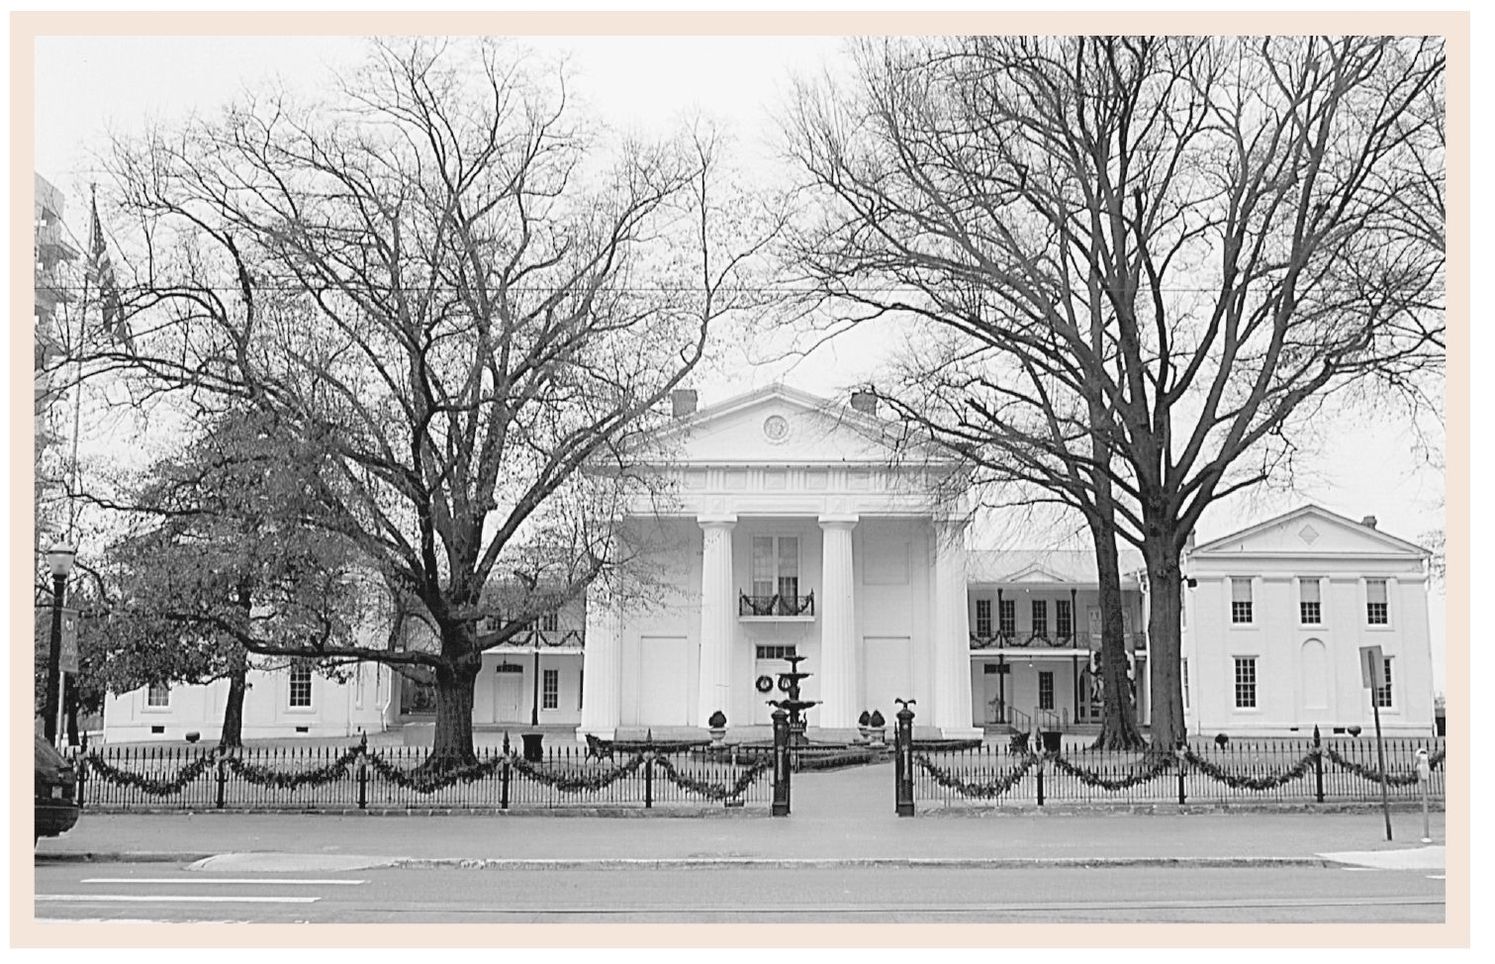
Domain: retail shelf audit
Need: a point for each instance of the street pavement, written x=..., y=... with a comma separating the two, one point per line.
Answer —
x=840, y=818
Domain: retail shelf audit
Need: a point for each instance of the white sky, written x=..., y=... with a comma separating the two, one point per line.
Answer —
x=86, y=86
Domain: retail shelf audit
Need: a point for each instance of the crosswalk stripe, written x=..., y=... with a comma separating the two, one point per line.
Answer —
x=220, y=880
x=169, y=899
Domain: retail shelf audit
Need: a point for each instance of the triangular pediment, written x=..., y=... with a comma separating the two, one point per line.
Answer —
x=780, y=425
x=1309, y=530
x=1037, y=573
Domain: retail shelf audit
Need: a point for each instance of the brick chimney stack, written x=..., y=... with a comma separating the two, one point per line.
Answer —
x=683, y=402
x=864, y=402
x=1369, y=522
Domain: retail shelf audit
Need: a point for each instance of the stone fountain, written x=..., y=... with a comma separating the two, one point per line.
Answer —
x=793, y=705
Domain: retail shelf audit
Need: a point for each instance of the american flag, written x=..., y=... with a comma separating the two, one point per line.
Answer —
x=101, y=276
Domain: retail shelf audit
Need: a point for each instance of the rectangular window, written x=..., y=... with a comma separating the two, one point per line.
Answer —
x=788, y=567
x=1245, y=682
x=1240, y=601
x=1183, y=671
x=300, y=685
x=1045, y=690
x=1064, y=618
x=550, y=689
x=1007, y=617
x=1040, y=617
x=158, y=695
x=1376, y=610
x=1310, y=608
x=775, y=652
x=776, y=568
x=581, y=677
x=983, y=618
x=1383, y=692
x=550, y=622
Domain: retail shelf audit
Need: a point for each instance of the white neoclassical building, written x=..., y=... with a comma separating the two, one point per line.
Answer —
x=793, y=531
x=793, y=528
x=1276, y=618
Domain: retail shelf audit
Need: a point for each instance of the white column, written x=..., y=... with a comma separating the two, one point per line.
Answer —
x=602, y=664
x=718, y=617
x=836, y=607
x=951, y=642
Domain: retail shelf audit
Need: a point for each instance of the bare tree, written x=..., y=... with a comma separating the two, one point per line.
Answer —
x=953, y=394
x=1163, y=253
x=462, y=305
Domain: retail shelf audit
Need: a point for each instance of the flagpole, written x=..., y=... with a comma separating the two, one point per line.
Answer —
x=72, y=486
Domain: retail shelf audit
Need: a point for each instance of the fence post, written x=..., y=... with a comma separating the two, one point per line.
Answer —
x=222, y=776
x=503, y=776
x=1318, y=766
x=649, y=769
x=780, y=807
x=1040, y=779
x=363, y=771
x=1181, y=753
x=80, y=770
x=903, y=754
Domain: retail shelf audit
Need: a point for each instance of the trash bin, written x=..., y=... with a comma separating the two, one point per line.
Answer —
x=534, y=751
x=1051, y=741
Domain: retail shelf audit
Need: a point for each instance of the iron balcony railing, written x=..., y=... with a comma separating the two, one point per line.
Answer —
x=775, y=605
x=543, y=638
x=1136, y=642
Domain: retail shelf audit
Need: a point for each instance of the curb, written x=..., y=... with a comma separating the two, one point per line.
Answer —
x=805, y=863
x=119, y=857
x=772, y=863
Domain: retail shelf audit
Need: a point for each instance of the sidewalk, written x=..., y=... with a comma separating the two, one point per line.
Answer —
x=843, y=817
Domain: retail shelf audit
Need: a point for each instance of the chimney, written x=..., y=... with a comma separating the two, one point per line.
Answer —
x=864, y=402
x=1369, y=522
x=683, y=402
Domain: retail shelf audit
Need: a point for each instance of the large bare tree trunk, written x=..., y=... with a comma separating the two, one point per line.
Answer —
x=1164, y=649
x=1118, y=729
x=456, y=684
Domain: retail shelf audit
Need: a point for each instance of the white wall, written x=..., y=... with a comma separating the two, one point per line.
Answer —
x=337, y=709
x=1276, y=639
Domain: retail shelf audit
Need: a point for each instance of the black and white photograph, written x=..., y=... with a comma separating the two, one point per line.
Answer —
x=750, y=472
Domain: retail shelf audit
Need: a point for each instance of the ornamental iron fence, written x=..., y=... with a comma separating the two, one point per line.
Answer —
x=359, y=777
x=1275, y=771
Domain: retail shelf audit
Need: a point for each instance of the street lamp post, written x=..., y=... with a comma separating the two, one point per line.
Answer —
x=60, y=560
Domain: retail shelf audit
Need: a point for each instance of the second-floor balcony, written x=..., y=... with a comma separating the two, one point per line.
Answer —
x=537, y=638
x=1134, y=642
x=777, y=605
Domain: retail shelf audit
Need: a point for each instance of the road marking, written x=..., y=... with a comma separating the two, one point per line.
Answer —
x=168, y=899
x=221, y=880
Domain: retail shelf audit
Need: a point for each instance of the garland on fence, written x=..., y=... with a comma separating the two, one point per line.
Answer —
x=153, y=787
x=1092, y=779
x=995, y=788
x=1374, y=776
x=1294, y=772
x=574, y=783
x=430, y=782
x=293, y=779
x=712, y=791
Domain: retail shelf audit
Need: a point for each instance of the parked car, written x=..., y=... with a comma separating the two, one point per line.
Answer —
x=56, y=791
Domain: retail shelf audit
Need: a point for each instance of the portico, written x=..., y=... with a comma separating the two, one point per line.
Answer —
x=787, y=533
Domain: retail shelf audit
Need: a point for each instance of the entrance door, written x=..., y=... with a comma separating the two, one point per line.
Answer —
x=508, y=693
x=663, y=690
x=887, y=672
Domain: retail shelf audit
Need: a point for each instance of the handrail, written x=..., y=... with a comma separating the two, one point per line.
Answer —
x=775, y=605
